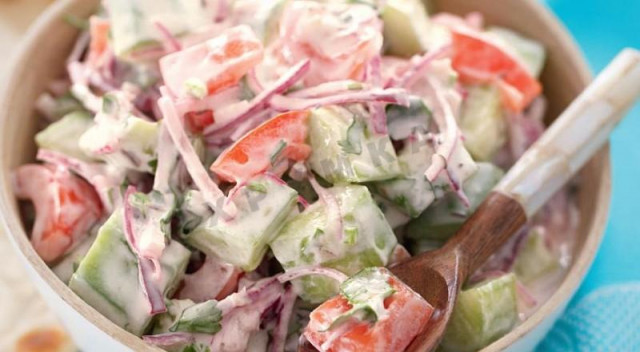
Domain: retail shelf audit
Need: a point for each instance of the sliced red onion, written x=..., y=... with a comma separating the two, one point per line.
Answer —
x=147, y=268
x=223, y=11
x=169, y=41
x=254, y=82
x=260, y=101
x=303, y=202
x=79, y=47
x=448, y=126
x=418, y=67
x=279, y=336
x=80, y=87
x=170, y=339
x=377, y=111
x=392, y=96
x=334, y=216
x=312, y=270
x=328, y=89
x=210, y=190
x=527, y=297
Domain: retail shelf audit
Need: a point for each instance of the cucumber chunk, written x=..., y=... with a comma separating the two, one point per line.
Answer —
x=107, y=277
x=445, y=217
x=482, y=123
x=345, y=151
x=68, y=265
x=413, y=193
x=405, y=24
x=131, y=143
x=63, y=135
x=308, y=239
x=134, y=23
x=263, y=204
x=535, y=259
x=482, y=314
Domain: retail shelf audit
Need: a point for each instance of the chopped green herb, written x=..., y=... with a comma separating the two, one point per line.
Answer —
x=202, y=318
x=353, y=143
x=196, y=88
x=276, y=154
x=257, y=187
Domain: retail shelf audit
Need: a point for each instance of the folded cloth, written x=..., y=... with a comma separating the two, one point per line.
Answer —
x=608, y=319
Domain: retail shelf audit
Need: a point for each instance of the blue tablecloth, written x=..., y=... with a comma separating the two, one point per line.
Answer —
x=605, y=314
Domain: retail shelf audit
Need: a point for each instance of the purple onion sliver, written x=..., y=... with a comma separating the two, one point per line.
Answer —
x=279, y=337
x=169, y=339
x=260, y=101
x=391, y=96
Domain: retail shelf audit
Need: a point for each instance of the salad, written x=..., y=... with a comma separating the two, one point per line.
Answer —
x=238, y=175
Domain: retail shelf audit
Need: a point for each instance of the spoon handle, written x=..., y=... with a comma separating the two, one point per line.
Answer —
x=575, y=136
x=566, y=146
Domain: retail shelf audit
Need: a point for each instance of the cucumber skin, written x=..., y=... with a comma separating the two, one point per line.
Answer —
x=63, y=135
x=481, y=315
x=107, y=277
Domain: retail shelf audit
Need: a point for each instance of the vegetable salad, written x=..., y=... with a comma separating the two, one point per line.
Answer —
x=236, y=175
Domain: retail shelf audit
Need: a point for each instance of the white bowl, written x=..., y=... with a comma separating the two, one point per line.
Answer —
x=42, y=57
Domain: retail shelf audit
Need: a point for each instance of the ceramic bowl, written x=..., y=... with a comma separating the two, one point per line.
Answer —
x=42, y=59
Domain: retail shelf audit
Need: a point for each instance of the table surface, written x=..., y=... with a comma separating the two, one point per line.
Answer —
x=601, y=27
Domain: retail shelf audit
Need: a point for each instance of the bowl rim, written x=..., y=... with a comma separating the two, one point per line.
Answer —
x=557, y=301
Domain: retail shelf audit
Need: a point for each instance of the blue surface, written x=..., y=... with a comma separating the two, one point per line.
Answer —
x=602, y=28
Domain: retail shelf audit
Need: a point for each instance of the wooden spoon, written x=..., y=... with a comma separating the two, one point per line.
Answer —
x=565, y=147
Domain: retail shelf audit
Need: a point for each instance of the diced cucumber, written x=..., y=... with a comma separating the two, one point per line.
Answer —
x=482, y=123
x=413, y=193
x=395, y=217
x=445, y=217
x=68, y=265
x=134, y=23
x=405, y=24
x=403, y=121
x=107, y=277
x=345, y=151
x=263, y=204
x=308, y=239
x=131, y=144
x=535, y=259
x=63, y=135
x=529, y=51
x=481, y=315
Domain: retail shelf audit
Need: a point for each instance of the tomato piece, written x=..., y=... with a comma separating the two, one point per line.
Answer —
x=477, y=60
x=408, y=314
x=218, y=63
x=197, y=121
x=283, y=136
x=66, y=208
x=99, y=31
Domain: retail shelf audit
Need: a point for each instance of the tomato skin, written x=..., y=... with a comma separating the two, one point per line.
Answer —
x=197, y=121
x=219, y=62
x=408, y=315
x=99, y=30
x=251, y=155
x=66, y=208
x=479, y=61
